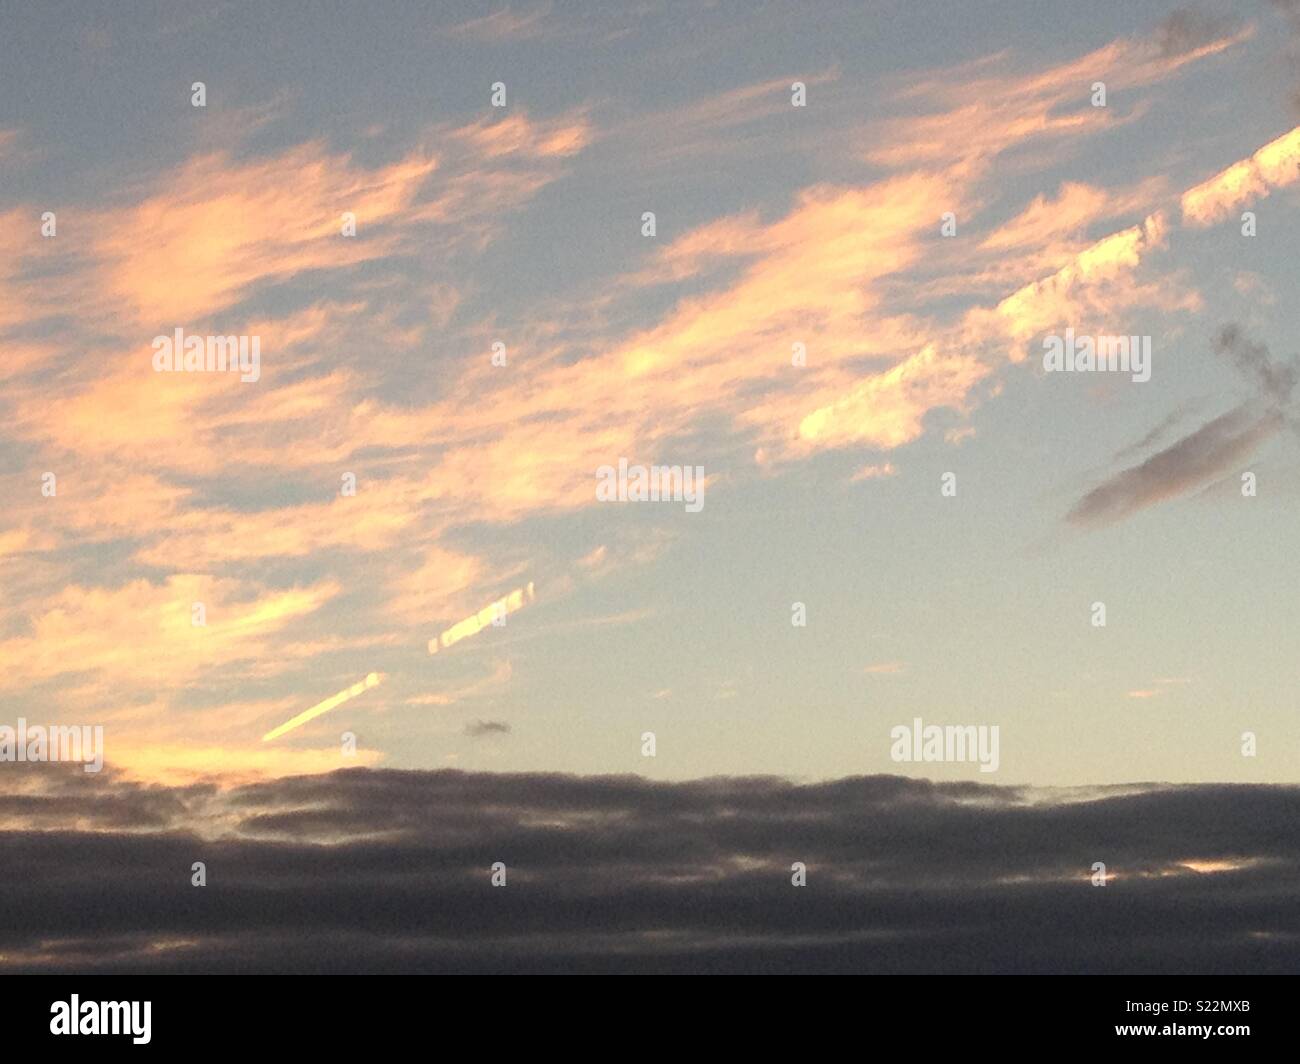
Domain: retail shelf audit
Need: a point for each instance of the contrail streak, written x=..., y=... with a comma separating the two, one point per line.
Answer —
x=373, y=680
x=476, y=622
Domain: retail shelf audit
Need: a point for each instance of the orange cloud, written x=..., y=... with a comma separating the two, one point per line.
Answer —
x=1274, y=166
x=110, y=631
x=980, y=114
x=218, y=227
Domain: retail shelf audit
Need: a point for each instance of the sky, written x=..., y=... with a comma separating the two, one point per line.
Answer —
x=815, y=252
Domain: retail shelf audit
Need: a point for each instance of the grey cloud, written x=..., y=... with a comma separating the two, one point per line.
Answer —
x=1201, y=456
x=1193, y=460
x=1160, y=432
x=1275, y=379
x=365, y=870
x=1187, y=29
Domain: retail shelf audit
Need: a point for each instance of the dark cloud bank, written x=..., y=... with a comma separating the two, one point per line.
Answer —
x=387, y=871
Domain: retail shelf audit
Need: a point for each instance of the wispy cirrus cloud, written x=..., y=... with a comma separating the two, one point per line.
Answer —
x=982, y=112
x=505, y=24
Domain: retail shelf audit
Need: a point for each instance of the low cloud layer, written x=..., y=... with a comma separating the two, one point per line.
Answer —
x=380, y=871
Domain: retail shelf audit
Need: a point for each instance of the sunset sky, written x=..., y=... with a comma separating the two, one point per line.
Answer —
x=775, y=225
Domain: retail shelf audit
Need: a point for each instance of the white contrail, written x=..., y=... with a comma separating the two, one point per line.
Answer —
x=476, y=622
x=373, y=680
